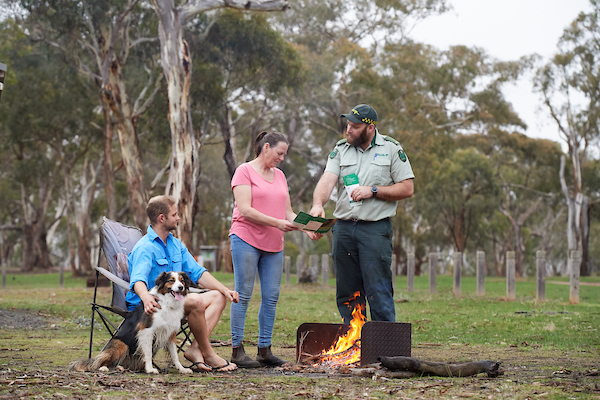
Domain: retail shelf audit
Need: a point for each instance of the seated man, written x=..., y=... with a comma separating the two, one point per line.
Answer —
x=159, y=251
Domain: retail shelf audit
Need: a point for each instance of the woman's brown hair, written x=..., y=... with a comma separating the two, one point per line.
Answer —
x=272, y=138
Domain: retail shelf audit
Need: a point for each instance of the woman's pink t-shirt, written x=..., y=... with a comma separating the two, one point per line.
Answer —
x=270, y=198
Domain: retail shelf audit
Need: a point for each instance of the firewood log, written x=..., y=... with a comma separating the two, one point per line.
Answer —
x=399, y=363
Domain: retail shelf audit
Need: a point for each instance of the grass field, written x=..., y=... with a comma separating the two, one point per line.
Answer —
x=541, y=338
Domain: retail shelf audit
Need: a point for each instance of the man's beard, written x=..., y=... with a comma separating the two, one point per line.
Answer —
x=360, y=139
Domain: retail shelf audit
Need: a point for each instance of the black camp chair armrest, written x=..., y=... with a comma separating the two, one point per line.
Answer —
x=115, y=309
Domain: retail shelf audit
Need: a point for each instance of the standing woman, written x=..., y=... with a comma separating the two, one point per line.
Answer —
x=262, y=213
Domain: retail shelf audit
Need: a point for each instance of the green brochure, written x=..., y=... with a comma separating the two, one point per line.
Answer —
x=307, y=222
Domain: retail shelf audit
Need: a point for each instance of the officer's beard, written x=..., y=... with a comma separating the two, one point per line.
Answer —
x=360, y=139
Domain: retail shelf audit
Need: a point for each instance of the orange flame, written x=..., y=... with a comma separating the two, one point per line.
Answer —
x=346, y=349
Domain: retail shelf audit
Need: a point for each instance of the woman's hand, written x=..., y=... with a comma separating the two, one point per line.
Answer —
x=286, y=226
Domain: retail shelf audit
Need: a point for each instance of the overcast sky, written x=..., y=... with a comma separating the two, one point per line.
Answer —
x=507, y=30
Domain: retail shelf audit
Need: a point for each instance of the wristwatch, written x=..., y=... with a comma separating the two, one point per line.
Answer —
x=374, y=191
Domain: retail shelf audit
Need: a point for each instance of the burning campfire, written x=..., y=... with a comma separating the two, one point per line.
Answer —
x=346, y=350
x=322, y=346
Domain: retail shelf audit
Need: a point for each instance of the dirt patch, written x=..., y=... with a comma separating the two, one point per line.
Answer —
x=21, y=319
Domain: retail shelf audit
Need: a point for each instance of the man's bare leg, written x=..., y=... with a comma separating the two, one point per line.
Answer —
x=215, y=303
x=203, y=312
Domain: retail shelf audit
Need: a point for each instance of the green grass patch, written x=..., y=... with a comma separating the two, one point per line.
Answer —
x=439, y=318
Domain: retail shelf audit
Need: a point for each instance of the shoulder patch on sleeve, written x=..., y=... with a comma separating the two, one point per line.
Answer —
x=391, y=139
x=341, y=141
x=402, y=155
x=333, y=153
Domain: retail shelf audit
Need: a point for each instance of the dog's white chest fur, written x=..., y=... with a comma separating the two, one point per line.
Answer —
x=166, y=321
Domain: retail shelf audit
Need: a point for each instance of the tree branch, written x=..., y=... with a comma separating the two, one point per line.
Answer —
x=137, y=110
x=199, y=6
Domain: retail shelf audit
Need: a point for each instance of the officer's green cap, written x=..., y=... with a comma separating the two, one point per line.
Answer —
x=362, y=114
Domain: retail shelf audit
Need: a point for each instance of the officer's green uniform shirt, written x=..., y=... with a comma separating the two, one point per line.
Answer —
x=383, y=163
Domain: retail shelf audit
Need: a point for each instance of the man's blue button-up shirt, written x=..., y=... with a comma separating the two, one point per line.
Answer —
x=150, y=257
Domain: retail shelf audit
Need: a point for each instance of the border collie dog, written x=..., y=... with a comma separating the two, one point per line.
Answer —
x=141, y=335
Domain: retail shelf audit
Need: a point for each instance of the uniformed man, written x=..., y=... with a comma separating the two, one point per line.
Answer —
x=372, y=173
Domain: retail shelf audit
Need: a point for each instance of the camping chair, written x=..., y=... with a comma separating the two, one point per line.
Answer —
x=116, y=241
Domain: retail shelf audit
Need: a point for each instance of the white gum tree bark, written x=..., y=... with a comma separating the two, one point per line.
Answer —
x=176, y=61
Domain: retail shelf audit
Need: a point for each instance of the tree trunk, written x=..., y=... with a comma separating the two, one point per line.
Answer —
x=43, y=260
x=35, y=248
x=228, y=133
x=113, y=46
x=82, y=216
x=577, y=206
x=177, y=67
x=586, y=268
x=458, y=230
x=114, y=95
x=69, y=216
x=109, y=174
x=28, y=248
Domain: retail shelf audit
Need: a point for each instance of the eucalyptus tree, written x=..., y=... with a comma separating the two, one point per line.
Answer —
x=176, y=61
x=245, y=67
x=45, y=132
x=570, y=92
x=525, y=169
x=97, y=38
x=430, y=99
x=335, y=38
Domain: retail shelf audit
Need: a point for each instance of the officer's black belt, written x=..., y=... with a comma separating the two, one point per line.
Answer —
x=362, y=221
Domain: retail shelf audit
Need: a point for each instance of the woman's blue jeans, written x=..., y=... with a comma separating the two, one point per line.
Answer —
x=247, y=261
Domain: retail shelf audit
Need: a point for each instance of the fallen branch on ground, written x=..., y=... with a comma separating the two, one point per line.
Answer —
x=409, y=364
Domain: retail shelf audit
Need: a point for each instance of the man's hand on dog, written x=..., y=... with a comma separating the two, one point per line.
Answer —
x=150, y=303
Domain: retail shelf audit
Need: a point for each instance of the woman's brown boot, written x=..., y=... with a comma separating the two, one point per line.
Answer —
x=267, y=359
x=239, y=357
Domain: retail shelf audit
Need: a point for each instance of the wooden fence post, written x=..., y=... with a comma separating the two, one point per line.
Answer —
x=2, y=259
x=3, y=273
x=433, y=262
x=312, y=274
x=393, y=268
x=410, y=271
x=540, y=273
x=481, y=273
x=325, y=269
x=510, y=275
x=287, y=263
x=575, y=259
x=457, y=257
x=300, y=265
